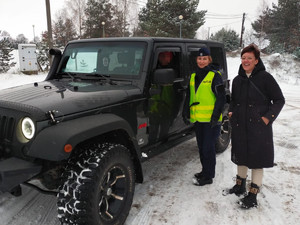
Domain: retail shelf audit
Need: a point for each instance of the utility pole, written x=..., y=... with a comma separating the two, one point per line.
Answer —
x=242, y=30
x=208, y=33
x=124, y=17
x=33, y=34
x=50, y=40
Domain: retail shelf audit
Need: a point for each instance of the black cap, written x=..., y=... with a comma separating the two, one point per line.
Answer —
x=204, y=52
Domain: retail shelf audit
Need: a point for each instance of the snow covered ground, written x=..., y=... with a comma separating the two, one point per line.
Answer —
x=168, y=197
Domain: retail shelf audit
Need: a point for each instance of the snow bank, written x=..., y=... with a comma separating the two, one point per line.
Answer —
x=284, y=68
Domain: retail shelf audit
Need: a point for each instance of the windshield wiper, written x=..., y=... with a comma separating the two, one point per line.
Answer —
x=105, y=76
x=71, y=75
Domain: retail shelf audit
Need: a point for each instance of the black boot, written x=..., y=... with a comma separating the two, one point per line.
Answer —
x=198, y=175
x=240, y=187
x=250, y=200
x=202, y=181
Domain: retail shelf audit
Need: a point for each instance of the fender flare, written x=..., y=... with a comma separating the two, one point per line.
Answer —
x=49, y=143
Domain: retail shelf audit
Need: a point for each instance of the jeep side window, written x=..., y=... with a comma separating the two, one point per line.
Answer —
x=192, y=61
x=165, y=101
x=218, y=58
x=169, y=59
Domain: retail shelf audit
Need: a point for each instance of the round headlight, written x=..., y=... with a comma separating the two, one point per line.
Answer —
x=28, y=128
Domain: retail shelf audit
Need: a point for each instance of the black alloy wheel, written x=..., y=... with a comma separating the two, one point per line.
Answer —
x=225, y=135
x=98, y=186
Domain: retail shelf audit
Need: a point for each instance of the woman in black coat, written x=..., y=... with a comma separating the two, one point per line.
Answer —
x=256, y=102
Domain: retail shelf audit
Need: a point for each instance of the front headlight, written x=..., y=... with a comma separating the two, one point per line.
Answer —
x=28, y=128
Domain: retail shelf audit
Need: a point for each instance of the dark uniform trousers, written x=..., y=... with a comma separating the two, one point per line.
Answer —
x=206, y=139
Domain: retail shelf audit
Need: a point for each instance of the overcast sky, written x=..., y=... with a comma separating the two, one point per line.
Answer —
x=19, y=16
x=229, y=13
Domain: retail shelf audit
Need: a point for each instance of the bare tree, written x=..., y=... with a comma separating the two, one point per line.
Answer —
x=262, y=35
x=129, y=10
x=77, y=7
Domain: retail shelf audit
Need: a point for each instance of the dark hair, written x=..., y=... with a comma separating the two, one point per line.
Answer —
x=251, y=48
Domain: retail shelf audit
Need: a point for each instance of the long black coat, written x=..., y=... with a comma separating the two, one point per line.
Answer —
x=252, y=140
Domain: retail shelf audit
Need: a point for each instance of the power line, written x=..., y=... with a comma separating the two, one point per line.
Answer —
x=217, y=16
x=222, y=25
x=135, y=2
x=223, y=18
x=138, y=2
x=222, y=15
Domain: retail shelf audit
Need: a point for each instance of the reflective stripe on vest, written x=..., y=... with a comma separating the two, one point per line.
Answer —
x=203, y=101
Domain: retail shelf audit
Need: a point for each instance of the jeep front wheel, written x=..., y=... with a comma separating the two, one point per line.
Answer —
x=98, y=186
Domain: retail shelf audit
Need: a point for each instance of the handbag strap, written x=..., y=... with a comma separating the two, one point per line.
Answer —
x=259, y=91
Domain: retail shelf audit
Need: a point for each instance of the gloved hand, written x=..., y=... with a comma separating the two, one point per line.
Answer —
x=214, y=122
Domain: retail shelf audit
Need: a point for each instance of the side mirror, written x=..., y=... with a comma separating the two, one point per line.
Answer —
x=164, y=76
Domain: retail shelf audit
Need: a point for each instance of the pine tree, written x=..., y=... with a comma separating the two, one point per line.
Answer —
x=160, y=18
x=229, y=37
x=5, y=55
x=93, y=20
x=281, y=24
x=63, y=31
x=119, y=26
x=102, y=11
x=43, y=52
x=125, y=15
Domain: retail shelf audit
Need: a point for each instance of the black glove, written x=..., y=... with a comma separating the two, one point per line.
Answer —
x=214, y=122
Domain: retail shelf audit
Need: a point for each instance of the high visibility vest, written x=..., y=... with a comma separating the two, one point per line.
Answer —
x=203, y=101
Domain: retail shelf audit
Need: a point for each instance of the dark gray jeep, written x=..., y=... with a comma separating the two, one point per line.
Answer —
x=104, y=108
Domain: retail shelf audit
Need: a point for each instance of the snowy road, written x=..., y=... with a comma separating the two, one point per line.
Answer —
x=168, y=196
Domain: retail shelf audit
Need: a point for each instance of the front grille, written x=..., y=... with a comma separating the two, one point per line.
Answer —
x=7, y=125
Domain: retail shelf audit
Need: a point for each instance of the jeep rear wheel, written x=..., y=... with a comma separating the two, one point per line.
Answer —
x=224, y=138
x=98, y=186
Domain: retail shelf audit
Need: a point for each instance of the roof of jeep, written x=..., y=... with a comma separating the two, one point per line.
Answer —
x=144, y=39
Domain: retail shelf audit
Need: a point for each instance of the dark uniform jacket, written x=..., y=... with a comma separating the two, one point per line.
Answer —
x=252, y=139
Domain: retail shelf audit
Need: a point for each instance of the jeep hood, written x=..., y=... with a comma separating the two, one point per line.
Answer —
x=65, y=97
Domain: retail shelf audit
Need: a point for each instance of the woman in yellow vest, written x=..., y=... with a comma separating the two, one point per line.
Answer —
x=204, y=104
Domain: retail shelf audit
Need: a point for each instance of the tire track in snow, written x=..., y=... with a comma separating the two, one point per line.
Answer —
x=30, y=208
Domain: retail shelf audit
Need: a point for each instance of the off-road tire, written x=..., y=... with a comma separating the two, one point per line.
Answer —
x=225, y=135
x=98, y=186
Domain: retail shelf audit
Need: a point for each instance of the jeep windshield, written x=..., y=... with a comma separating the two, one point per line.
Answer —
x=100, y=60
